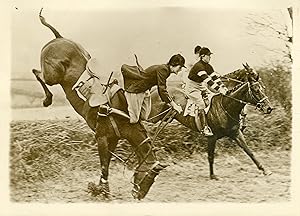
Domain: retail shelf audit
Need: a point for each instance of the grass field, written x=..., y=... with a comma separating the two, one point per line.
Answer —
x=53, y=161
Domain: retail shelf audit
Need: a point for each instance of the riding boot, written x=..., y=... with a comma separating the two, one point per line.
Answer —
x=203, y=126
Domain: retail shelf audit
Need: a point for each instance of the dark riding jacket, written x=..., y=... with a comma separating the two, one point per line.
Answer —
x=153, y=75
x=204, y=72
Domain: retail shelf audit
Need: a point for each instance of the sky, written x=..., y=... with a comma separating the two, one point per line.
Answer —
x=113, y=34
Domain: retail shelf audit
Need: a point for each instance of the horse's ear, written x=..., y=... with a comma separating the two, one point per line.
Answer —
x=245, y=66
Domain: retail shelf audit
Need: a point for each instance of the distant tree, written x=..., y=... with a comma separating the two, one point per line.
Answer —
x=269, y=27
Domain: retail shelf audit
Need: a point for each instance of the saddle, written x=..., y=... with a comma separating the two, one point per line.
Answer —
x=90, y=87
x=190, y=108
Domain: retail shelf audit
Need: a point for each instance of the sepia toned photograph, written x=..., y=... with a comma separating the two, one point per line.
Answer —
x=150, y=104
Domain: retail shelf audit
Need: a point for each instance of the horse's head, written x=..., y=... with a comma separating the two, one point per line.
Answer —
x=256, y=90
x=250, y=74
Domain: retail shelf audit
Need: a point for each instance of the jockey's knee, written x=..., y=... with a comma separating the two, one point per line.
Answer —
x=133, y=119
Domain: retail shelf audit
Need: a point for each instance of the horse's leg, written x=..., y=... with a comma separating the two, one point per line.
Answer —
x=148, y=165
x=48, y=100
x=211, y=153
x=105, y=145
x=243, y=120
x=240, y=139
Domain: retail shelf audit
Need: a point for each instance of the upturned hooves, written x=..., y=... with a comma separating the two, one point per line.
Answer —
x=214, y=177
x=36, y=72
x=48, y=101
x=267, y=172
x=243, y=128
x=101, y=189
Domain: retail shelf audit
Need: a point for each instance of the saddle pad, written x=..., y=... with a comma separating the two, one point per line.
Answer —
x=89, y=88
x=190, y=108
x=97, y=97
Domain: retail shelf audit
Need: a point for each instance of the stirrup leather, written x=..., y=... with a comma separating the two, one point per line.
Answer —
x=204, y=129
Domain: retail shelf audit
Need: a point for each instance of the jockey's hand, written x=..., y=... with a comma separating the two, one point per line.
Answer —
x=223, y=90
x=176, y=107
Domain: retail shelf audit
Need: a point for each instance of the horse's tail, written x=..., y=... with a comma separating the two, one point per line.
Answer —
x=43, y=21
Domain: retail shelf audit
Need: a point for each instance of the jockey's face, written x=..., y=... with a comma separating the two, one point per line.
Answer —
x=206, y=58
x=176, y=69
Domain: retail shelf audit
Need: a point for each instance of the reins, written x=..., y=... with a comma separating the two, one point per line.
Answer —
x=251, y=95
x=242, y=101
x=164, y=122
x=235, y=80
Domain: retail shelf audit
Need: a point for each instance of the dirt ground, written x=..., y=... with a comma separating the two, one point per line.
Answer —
x=185, y=180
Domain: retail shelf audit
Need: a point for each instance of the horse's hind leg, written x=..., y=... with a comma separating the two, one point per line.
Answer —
x=48, y=100
x=240, y=139
x=211, y=154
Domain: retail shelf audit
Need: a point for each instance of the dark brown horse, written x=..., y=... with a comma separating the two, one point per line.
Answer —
x=224, y=112
x=63, y=62
x=235, y=78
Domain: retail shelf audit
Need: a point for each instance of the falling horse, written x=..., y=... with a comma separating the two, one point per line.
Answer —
x=224, y=111
x=64, y=62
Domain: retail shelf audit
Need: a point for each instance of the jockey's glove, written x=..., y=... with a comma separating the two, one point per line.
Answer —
x=176, y=107
x=223, y=90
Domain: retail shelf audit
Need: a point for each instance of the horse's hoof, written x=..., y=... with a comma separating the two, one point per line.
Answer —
x=47, y=102
x=92, y=189
x=267, y=172
x=214, y=177
x=135, y=194
x=243, y=129
x=36, y=72
x=101, y=189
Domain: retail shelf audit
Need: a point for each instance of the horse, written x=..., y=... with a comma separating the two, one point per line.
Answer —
x=62, y=63
x=223, y=113
x=234, y=78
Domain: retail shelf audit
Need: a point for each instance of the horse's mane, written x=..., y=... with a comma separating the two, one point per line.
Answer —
x=235, y=88
x=238, y=74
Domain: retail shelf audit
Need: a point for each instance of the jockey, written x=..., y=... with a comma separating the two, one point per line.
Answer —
x=138, y=94
x=201, y=79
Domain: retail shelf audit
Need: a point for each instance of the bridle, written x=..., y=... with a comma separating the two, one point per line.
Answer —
x=257, y=103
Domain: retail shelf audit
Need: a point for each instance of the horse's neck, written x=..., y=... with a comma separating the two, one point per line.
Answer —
x=234, y=78
x=71, y=95
x=237, y=74
x=232, y=103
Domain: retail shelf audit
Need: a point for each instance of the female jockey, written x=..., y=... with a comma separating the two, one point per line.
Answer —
x=201, y=78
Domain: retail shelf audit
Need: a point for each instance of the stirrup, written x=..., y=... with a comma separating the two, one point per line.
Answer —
x=103, y=110
x=207, y=131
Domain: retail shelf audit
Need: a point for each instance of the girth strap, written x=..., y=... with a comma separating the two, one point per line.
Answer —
x=114, y=125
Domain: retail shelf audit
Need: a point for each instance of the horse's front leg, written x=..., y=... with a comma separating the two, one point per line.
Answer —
x=211, y=154
x=240, y=139
x=105, y=145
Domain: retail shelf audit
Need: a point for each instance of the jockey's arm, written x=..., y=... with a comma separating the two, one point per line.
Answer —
x=162, y=86
x=162, y=91
x=216, y=84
